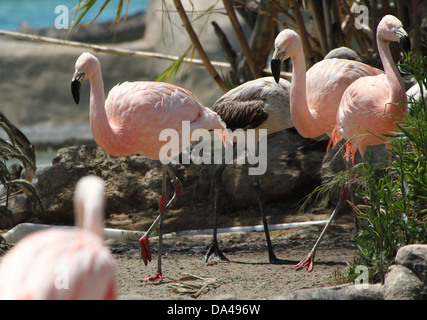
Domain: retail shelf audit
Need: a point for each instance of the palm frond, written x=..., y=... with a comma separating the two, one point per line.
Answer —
x=84, y=6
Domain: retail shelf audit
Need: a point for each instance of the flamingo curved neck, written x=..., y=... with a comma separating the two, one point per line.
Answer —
x=395, y=82
x=92, y=220
x=304, y=121
x=106, y=137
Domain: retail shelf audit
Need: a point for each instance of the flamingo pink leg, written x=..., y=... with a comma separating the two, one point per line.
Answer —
x=308, y=261
x=163, y=205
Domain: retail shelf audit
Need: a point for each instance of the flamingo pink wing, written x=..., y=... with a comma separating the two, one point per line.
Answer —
x=326, y=82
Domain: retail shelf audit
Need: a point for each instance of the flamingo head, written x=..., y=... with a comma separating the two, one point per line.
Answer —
x=287, y=43
x=390, y=29
x=86, y=66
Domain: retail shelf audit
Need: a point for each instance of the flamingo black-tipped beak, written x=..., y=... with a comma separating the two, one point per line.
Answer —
x=75, y=90
x=76, y=83
x=405, y=43
x=275, y=69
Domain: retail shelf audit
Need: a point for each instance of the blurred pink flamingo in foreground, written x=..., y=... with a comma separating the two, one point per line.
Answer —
x=330, y=84
x=130, y=122
x=58, y=264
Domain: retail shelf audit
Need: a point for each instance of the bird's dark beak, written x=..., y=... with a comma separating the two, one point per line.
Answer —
x=75, y=86
x=405, y=43
x=275, y=68
x=75, y=90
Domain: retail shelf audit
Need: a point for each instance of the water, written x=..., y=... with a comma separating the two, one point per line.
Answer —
x=41, y=13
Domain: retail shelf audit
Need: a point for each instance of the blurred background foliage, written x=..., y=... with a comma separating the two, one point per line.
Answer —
x=322, y=25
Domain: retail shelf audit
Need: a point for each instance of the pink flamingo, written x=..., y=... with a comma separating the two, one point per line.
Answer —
x=315, y=95
x=130, y=122
x=369, y=108
x=326, y=82
x=58, y=264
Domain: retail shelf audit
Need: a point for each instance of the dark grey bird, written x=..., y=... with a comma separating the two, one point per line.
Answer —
x=256, y=104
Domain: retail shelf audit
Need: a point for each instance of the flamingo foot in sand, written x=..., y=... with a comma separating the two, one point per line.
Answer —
x=155, y=278
x=307, y=262
x=215, y=253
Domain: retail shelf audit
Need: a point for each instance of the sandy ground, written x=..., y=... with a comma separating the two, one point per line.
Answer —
x=248, y=275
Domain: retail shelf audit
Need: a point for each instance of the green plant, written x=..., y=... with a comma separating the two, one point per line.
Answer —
x=84, y=6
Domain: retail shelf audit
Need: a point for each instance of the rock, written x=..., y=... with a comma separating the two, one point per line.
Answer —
x=414, y=257
x=18, y=205
x=225, y=296
x=402, y=284
x=293, y=171
x=17, y=210
x=404, y=281
x=134, y=183
x=99, y=32
x=363, y=292
x=311, y=294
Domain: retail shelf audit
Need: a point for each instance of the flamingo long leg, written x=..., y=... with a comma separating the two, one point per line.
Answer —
x=163, y=205
x=260, y=196
x=214, y=252
x=309, y=259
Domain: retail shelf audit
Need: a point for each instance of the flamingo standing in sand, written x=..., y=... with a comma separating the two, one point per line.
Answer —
x=130, y=122
x=315, y=95
x=58, y=264
x=256, y=104
x=326, y=82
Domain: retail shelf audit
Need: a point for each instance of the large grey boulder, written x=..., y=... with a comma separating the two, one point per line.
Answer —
x=134, y=183
x=402, y=284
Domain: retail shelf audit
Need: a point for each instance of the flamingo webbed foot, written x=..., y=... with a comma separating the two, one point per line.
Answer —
x=155, y=278
x=215, y=253
x=274, y=260
x=307, y=262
